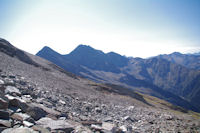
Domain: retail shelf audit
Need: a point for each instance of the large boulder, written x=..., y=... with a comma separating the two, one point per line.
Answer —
x=56, y=125
x=12, y=90
x=9, y=82
x=3, y=101
x=5, y=123
x=4, y=115
x=40, y=129
x=82, y=129
x=48, y=111
x=2, y=128
x=36, y=112
x=17, y=102
x=19, y=130
x=20, y=116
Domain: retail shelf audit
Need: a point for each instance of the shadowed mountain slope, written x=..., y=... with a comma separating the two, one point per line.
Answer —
x=191, y=61
x=10, y=50
x=155, y=76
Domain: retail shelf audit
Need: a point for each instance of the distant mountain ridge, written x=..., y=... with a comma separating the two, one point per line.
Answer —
x=169, y=77
x=96, y=59
x=188, y=60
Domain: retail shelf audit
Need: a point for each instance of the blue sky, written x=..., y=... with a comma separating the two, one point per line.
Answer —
x=138, y=28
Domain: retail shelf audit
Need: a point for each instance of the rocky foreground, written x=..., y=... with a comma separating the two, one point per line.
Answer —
x=26, y=108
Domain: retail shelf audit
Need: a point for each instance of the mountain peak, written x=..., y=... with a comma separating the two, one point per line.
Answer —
x=85, y=49
x=176, y=53
x=84, y=46
x=5, y=43
x=46, y=48
x=198, y=53
x=47, y=51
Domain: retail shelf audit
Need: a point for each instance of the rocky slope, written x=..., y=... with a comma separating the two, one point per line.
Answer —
x=37, y=96
x=187, y=60
x=155, y=76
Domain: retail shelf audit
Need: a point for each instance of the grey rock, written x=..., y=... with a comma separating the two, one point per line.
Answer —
x=83, y=118
x=2, y=128
x=107, y=126
x=90, y=122
x=35, y=112
x=38, y=111
x=2, y=89
x=48, y=110
x=17, y=102
x=17, y=124
x=2, y=82
x=27, y=98
x=30, y=119
x=21, y=116
x=167, y=117
x=123, y=128
x=26, y=91
x=16, y=117
x=19, y=130
x=129, y=129
x=62, y=102
x=22, y=82
x=98, y=109
x=128, y=118
x=40, y=129
x=27, y=124
x=130, y=108
x=54, y=99
x=5, y=123
x=11, y=76
x=81, y=129
x=9, y=82
x=96, y=127
x=3, y=76
x=116, y=130
x=3, y=101
x=55, y=124
x=12, y=90
x=18, y=110
x=88, y=107
x=4, y=115
x=44, y=102
x=108, y=119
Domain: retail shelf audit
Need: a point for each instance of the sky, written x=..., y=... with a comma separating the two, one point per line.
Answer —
x=137, y=28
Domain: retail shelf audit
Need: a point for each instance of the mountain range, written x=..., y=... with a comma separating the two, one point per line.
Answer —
x=38, y=96
x=174, y=77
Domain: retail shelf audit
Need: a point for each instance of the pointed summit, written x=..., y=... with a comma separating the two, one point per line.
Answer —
x=47, y=51
x=84, y=47
x=85, y=50
x=176, y=54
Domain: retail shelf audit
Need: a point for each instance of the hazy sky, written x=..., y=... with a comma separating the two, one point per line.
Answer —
x=138, y=28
